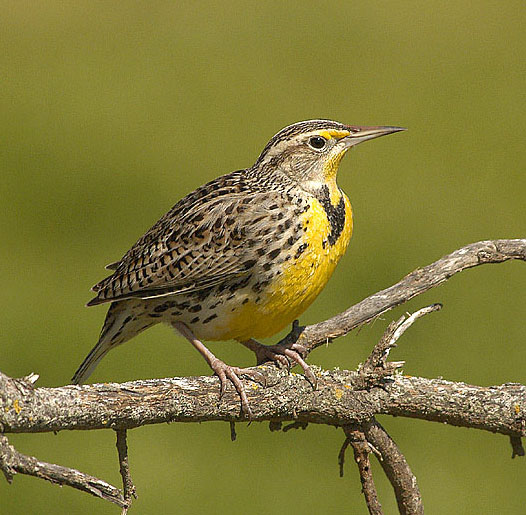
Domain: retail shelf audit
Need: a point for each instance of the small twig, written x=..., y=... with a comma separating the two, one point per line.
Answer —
x=275, y=425
x=127, y=483
x=356, y=438
x=376, y=371
x=341, y=455
x=31, y=378
x=396, y=469
x=516, y=446
x=378, y=356
x=298, y=424
x=13, y=462
x=233, y=434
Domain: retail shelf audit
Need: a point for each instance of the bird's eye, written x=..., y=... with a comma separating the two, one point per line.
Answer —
x=317, y=142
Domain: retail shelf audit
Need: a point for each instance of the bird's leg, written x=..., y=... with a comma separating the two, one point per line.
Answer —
x=222, y=370
x=282, y=355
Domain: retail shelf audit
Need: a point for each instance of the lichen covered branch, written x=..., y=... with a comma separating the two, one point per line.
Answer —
x=356, y=438
x=341, y=398
x=396, y=469
x=13, y=462
x=124, y=468
x=349, y=399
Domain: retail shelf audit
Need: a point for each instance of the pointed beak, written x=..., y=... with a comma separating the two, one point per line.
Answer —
x=360, y=134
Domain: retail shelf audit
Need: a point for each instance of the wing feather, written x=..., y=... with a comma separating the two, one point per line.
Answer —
x=206, y=239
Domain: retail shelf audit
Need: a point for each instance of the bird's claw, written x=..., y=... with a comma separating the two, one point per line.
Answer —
x=228, y=373
x=285, y=356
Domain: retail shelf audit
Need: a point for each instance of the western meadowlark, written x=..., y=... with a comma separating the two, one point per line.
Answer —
x=242, y=256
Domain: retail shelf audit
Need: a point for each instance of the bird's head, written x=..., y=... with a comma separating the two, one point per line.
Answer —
x=310, y=152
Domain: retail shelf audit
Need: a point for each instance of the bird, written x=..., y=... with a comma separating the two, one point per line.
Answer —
x=240, y=257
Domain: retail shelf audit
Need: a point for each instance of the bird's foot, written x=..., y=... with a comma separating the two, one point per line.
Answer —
x=228, y=373
x=284, y=355
x=222, y=370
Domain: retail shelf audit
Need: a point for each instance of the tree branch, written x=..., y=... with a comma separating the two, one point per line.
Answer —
x=124, y=467
x=340, y=399
x=417, y=282
x=343, y=398
x=356, y=438
x=396, y=469
x=376, y=365
x=13, y=462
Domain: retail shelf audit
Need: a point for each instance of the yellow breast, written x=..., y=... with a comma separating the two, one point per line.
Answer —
x=300, y=281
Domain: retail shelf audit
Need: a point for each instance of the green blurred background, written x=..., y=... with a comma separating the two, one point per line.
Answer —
x=111, y=111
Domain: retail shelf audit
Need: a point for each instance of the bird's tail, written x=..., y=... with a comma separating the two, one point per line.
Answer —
x=90, y=362
x=120, y=325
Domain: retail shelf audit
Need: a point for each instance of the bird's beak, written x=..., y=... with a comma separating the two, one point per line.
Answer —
x=360, y=134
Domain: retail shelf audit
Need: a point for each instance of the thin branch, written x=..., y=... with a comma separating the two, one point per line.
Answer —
x=376, y=365
x=13, y=462
x=417, y=282
x=393, y=462
x=341, y=455
x=516, y=446
x=356, y=438
x=124, y=467
x=233, y=434
x=298, y=424
x=396, y=469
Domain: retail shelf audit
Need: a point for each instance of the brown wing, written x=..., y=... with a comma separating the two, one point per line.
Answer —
x=207, y=238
